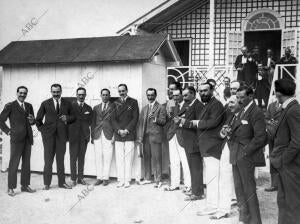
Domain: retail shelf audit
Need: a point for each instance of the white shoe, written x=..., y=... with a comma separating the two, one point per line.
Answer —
x=127, y=184
x=120, y=184
x=146, y=182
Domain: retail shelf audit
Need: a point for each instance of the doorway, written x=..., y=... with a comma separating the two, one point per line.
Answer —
x=270, y=39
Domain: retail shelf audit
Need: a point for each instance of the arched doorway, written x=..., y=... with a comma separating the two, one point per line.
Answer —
x=262, y=31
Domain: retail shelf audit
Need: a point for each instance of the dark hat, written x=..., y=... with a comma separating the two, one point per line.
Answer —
x=286, y=87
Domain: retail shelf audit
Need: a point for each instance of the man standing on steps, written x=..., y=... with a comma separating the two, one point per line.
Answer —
x=58, y=113
x=21, y=117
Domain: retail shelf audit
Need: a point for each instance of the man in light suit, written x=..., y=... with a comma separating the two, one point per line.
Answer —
x=102, y=137
x=58, y=113
x=176, y=145
x=21, y=117
x=209, y=123
x=79, y=136
x=193, y=107
x=246, y=142
x=124, y=122
x=285, y=156
x=150, y=133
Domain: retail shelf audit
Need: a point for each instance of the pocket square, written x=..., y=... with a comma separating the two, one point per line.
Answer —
x=87, y=112
x=244, y=122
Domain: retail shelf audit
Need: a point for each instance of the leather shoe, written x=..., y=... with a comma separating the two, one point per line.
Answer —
x=271, y=189
x=98, y=182
x=105, y=182
x=27, y=189
x=73, y=183
x=11, y=192
x=194, y=197
x=65, y=186
x=46, y=187
x=82, y=181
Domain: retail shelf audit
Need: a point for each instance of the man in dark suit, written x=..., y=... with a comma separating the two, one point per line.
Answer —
x=240, y=61
x=247, y=138
x=272, y=115
x=58, y=113
x=193, y=108
x=21, y=117
x=102, y=137
x=79, y=136
x=288, y=58
x=209, y=123
x=150, y=133
x=124, y=122
x=285, y=156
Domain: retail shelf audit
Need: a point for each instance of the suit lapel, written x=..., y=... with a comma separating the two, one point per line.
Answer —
x=51, y=104
x=283, y=115
x=206, y=108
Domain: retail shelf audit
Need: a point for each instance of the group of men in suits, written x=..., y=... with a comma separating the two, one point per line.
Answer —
x=204, y=137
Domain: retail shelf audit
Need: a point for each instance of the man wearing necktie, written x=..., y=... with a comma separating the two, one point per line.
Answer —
x=21, y=117
x=124, y=121
x=149, y=134
x=58, y=113
x=79, y=136
x=102, y=137
x=246, y=142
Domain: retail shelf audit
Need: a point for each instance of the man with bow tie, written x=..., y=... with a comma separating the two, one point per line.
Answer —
x=79, y=136
x=150, y=133
x=102, y=137
x=58, y=113
x=247, y=137
x=124, y=121
x=21, y=117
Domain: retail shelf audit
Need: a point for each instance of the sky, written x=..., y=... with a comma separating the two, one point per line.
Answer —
x=58, y=19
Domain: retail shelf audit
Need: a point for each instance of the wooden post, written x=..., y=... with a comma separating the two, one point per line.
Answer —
x=211, y=38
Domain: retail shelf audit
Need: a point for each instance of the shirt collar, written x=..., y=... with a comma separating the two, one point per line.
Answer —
x=287, y=102
x=181, y=103
x=79, y=103
x=59, y=100
x=247, y=107
x=152, y=104
x=20, y=103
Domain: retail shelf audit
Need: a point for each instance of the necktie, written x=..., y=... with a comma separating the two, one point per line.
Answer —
x=241, y=113
x=23, y=107
x=150, y=109
x=57, y=107
x=104, y=108
x=81, y=106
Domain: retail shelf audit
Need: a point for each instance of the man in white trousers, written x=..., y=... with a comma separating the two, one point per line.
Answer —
x=176, y=146
x=124, y=121
x=226, y=186
x=209, y=124
x=102, y=137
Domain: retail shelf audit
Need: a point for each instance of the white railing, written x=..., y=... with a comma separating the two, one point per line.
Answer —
x=281, y=70
x=194, y=75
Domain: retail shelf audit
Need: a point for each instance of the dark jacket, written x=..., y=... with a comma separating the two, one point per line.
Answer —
x=125, y=116
x=286, y=151
x=82, y=124
x=102, y=121
x=154, y=127
x=53, y=124
x=20, y=129
x=248, y=137
x=189, y=135
x=211, y=118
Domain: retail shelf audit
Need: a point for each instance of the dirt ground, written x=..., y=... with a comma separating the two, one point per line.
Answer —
x=111, y=205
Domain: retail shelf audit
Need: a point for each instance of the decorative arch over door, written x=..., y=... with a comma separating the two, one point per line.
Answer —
x=263, y=19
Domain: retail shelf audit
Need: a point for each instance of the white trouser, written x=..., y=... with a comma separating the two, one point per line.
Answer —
x=103, y=156
x=212, y=170
x=226, y=186
x=177, y=155
x=124, y=158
